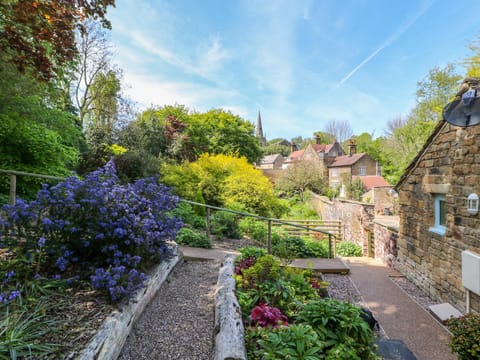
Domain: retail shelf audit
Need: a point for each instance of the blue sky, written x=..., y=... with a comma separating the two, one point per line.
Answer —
x=301, y=63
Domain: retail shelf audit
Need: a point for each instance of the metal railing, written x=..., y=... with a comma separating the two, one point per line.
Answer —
x=270, y=222
x=308, y=227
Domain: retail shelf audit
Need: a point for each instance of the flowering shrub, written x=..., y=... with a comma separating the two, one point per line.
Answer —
x=466, y=336
x=264, y=316
x=243, y=264
x=97, y=228
x=6, y=293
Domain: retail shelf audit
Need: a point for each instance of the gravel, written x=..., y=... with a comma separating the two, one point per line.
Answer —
x=178, y=323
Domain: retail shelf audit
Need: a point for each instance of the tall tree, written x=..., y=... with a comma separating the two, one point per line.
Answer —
x=93, y=65
x=434, y=92
x=300, y=177
x=339, y=129
x=40, y=34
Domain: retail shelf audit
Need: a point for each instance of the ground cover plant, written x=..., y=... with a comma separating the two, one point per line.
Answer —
x=287, y=314
x=466, y=336
x=94, y=235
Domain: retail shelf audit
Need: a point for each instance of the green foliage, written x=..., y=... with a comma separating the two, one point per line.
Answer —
x=347, y=248
x=254, y=229
x=339, y=324
x=292, y=247
x=37, y=134
x=252, y=252
x=193, y=238
x=290, y=342
x=220, y=132
x=225, y=224
x=301, y=209
x=300, y=177
x=271, y=149
x=224, y=181
x=331, y=193
x=355, y=189
x=466, y=336
x=186, y=212
x=22, y=332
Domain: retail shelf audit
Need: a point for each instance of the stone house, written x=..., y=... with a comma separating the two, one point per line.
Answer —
x=345, y=167
x=271, y=162
x=435, y=226
x=321, y=154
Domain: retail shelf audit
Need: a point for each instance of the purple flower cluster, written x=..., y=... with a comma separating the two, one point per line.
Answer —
x=7, y=296
x=98, y=224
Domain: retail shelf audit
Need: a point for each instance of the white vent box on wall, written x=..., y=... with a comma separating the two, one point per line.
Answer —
x=471, y=271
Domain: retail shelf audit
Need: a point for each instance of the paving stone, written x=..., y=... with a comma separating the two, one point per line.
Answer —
x=444, y=312
x=394, y=350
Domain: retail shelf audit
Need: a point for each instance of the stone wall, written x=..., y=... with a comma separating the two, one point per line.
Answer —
x=358, y=221
x=449, y=165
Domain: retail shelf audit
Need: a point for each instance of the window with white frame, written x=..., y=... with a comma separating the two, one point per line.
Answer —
x=362, y=171
x=440, y=215
x=335, y=172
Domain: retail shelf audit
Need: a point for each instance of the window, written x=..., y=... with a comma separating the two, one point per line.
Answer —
x=335, y=172
x=440, y=217
x=362, y=171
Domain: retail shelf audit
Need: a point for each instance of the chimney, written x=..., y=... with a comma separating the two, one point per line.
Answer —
x=294, y=146
x=317, y=139
x=352, y=148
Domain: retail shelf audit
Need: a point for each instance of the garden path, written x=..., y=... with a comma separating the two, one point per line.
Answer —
x=179, y=322
x=399, y=315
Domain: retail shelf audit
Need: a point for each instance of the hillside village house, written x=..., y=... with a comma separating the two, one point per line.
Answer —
x=321, y=154
x=346, y=167
x=271, y=162
x=436, y=224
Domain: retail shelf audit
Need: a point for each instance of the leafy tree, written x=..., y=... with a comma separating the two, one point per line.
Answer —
x=96, y=83
x=40, y=34
x=276, y=149
x=220, y=132
x=325, y=138
x=35, y=135
x=405, y=137
x=300, y=177
x=223, y=180
x=433, y=92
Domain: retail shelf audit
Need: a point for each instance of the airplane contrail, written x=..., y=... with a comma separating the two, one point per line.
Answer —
x=389, y=41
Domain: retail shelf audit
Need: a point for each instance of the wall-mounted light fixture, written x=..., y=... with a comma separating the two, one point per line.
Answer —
x=472, y=204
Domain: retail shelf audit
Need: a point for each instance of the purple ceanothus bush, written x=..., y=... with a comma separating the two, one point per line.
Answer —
x=97, y=228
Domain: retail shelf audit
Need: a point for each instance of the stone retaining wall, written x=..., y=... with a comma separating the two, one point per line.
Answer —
x=360, y=223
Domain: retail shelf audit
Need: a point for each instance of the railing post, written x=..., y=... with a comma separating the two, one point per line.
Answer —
x=329, y=246
x=269, y=237
x=13, y=188
x=208, y=221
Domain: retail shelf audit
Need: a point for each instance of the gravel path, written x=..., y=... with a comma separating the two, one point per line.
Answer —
x=183, y=331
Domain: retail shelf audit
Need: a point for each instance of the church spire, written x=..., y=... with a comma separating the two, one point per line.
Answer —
x=259, y=131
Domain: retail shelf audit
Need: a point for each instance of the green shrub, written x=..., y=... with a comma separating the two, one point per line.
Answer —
x=254, y=229
x=289, y=247
x=252, y=252
x=290, y=342
x=188, y=215
x=189, y=237
x=339, y=324
x=347, y=248
x=466, y=336
x=224, y=224
x=317, y=248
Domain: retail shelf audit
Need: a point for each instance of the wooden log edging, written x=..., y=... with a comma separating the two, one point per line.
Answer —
x=109, y=340
x=229, y=331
